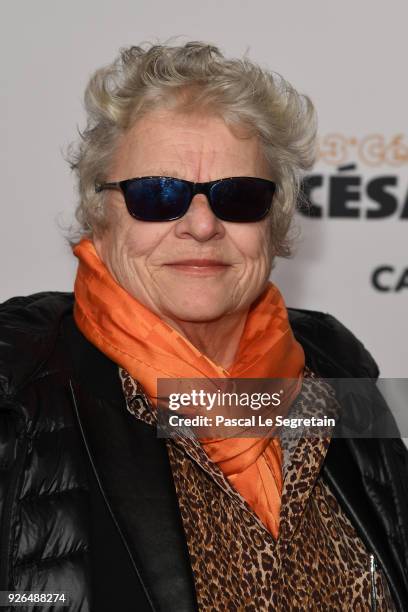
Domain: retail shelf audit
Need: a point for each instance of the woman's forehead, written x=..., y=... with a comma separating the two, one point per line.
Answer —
x=171, y=143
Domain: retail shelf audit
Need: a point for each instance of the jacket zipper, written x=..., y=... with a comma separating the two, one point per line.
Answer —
x=5, y=530
x=373, y=586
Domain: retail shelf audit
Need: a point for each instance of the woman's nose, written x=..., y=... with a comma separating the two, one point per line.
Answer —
x=199, y=221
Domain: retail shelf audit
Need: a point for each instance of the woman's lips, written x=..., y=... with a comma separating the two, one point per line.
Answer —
x=199, y=267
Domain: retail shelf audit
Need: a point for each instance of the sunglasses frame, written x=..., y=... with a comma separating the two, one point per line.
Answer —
x=195, y=188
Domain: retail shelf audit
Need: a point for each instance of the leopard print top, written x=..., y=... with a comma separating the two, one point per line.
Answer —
x=318, y=561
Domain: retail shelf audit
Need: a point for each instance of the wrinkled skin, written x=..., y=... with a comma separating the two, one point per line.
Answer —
x=207, y=304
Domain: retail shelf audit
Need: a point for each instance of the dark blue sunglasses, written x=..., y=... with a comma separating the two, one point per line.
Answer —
x=240, y=199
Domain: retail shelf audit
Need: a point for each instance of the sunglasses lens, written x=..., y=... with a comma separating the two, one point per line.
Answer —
x=157, y=198
x=242, y=200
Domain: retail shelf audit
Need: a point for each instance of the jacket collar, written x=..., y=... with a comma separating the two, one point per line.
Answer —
x=133, y=472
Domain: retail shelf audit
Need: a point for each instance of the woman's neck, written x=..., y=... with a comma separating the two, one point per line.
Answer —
x=218, y=340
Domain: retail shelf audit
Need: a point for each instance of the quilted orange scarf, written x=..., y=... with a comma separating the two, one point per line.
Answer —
x=148, y=348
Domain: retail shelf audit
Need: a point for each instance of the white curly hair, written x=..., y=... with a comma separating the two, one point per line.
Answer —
x=190, y=76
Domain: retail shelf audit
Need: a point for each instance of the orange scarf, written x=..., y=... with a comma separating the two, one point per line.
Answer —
x=148, y=348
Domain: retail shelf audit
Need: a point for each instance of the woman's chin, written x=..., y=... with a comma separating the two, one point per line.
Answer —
x=201, y=311
x=203, y=303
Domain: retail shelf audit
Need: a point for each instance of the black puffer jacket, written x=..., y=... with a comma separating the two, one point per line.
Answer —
x=87, y=502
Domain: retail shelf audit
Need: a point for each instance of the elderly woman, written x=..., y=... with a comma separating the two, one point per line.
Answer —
x=189, y=172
